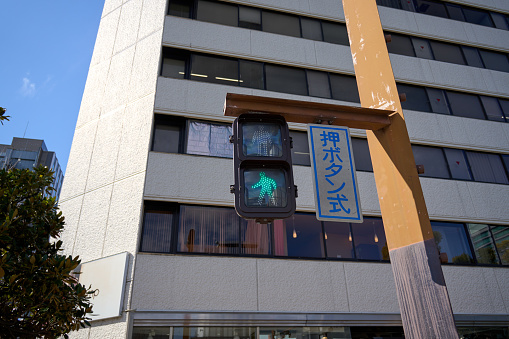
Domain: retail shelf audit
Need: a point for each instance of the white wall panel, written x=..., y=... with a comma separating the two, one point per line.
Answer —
x=475, y=290
x=213, y=284
x=195, y=283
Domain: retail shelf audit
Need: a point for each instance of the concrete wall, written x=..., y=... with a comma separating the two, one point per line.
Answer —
x=103, y=189
x=166, y=282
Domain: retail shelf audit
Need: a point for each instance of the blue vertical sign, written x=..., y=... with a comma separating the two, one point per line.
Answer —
x=334, y=177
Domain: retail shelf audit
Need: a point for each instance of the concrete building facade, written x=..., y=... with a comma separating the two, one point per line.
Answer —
x=24, y=153
x=150, y=167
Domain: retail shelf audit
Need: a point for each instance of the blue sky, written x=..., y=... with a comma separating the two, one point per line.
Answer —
x=46, y=51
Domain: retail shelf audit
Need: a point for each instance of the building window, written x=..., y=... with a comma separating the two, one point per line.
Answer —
x=175, y=228
x=157, y=227
x=431, y=8
x=344, y=88
x=167, y=135
x=181, y=8
x=447, y=52
x=433, y=159
x=452, y=243
x=369, y=240
x=501, y=238
x=361, y=155
x=278, y=23
x=457, y=163
x=311, y=29
x=300, y=149
x=339, y=240
x=401, y=45
x=214, y=69
x=205, y=138
x=494, y=60
x=487, y=167
x=217, y=12
x=484, y=246
x=416, y=98
x=335, y=33
x=465, y=105
x=208, y=230
x=299, y=236
x=285, y=79
x=250, y=17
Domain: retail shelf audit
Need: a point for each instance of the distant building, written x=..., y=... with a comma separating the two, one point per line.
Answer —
x=29, y=153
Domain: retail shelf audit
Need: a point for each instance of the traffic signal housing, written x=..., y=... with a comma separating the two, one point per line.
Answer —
x=262, y=162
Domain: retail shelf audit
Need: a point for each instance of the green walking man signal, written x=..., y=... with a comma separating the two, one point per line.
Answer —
x=264, y=188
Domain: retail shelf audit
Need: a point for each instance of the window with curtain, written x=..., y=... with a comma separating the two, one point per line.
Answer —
x=487, y=167
x=205, y=138
x=157, y=226
x=208, y=230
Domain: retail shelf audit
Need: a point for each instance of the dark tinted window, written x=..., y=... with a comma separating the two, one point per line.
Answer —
x=458, y=165
x=478, y=17
x=465, y=105
x=251, y=74
x=437, y=100
x=447, y=52
x=361, y=155
x=335, y=33
x=344, y=88
x=182, y=8
x=433, y=160
x=416, y=98
x=338, y=240
x=369, y=240
x=299, y=236
x=311, y=29
x=280, y=23
x=214, y=69
x=250, y=17
x=472, y=56
x=286, y=79
x=505, y=107
x=452, y=243
x=217, y=12
x=318, y=84
x=431, y=8
x=500, y=20
x=492, y=108
x=157, y=225
x=167, y=134
x=422, y=48
x=495, y=61
x=487, y=167
x=300, y=149
x=401, y=44
x=455, y=12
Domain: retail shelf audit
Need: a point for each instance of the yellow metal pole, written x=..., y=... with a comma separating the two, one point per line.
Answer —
x=424, y=302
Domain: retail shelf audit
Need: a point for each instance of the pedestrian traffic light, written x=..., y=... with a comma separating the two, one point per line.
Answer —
x=262, y=162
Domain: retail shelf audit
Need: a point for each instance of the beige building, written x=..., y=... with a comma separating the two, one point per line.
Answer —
x=150, y=168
